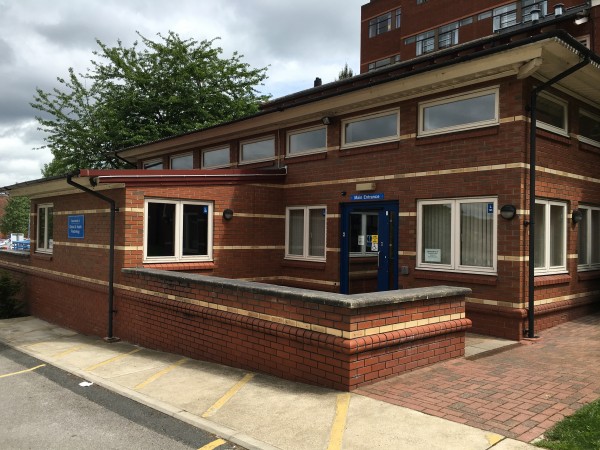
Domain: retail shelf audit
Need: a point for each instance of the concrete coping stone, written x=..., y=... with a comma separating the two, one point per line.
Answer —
x=354, y=301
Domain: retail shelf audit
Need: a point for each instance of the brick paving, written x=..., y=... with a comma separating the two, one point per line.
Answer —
x=518, y=393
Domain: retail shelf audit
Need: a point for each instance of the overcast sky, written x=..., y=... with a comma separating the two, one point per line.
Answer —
x=41, y=39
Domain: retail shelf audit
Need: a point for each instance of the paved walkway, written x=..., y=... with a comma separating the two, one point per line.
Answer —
x=519, y=392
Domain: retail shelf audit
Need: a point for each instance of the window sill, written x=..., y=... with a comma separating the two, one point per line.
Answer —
x=369, y=148
x=180, y=266
x=554, y=136
x=548, y=280
x=448, y=136
x=42, y=256
x=588, y=147
x=316, y=265
x=317, y=156
x=471, y=278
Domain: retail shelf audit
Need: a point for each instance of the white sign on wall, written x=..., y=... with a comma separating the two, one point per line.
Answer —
x=433, y=255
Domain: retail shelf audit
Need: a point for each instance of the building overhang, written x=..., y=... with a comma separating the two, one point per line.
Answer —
x=484, y=61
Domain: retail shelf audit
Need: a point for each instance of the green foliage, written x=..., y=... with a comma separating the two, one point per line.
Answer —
x=346, y=72
x=16, y=216
x=581, y=431
x=9, y=288
x=135, y=95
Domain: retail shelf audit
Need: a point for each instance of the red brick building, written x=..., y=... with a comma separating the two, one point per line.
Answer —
x=327, y=222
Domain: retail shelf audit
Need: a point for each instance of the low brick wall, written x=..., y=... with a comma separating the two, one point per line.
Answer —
x=320, y=338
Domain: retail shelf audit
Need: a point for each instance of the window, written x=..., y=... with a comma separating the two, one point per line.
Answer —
x=589, y=128
x=384, y=62
x=309, y=140
x=552, y=113
x=45, y=228
x=305, y=232
x=518, y=12
x=460, y=112
x=588, y=239
x=550, y=253
x=178, y=230
x=528, y=5
x=380, y=25
x=425, y=42
x=505, y=16
x=372, y=129
x=457, y=235
x=155, y=164
x=179, y=162
x=448, y=35
x=215, y=157
x=257, y=150
x=398, y=17
x=363, y=226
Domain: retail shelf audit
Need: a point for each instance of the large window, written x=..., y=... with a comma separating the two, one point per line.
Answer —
x=178, y=230
x=552, y=113
x=372, y=129
x=425, y=42
x=305, y=232
x=215, y=157
x=45, y=228
x=588, y=239
x=550, y=254
x=589, y=128
x=257, y=150
x=457, y=235
x=462, y=112
x=179, y=162
x=519, y=12
x=309, y=140
x=380, y=24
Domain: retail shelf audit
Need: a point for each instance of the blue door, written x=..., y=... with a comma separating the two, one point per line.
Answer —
x=369, y=247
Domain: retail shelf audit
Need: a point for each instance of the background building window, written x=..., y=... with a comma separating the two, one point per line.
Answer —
x=307, y=141
x=179, y=162
x=383, y=127
x=257, y=150
x=305, y=232
x=45, y=228
x=215, y=157
x=550, y=253
x=448, y=35
x=178, y=230
x=588, y=239
x=425, y=42
x=380, y=24
x=457, y=235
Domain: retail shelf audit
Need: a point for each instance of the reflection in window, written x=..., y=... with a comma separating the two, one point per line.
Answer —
x=307, y=141
x=216, y=157
x=257, y=150
x=155, y=164
x=589, y=128
x=182, y=162
x=372, y=129
x=552, y=113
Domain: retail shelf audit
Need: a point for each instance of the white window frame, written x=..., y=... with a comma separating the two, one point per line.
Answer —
x=391, y=138
x=252, y=141
x=178, y=244
x=455, y=265
x=181, y=155
x=306, y=238
x=581, y=137
x=455, y=98
x=564, y=131
x=151, y=162
x=48, y=244
x=227, y=148
x=587, y=265
x=301, y=131
x=547, y=269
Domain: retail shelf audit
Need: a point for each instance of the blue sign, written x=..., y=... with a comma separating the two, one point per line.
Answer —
x=363, y=197
x=76, y=227
x=490, y=208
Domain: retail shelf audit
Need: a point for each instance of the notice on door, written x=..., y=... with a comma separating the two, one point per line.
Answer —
x=433, y=255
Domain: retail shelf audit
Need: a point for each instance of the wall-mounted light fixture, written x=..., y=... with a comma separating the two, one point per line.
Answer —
x=559, y=9
x=326, y=120
x=576, y=216
x=228, y=214
x=508, y=212
x=535, y=14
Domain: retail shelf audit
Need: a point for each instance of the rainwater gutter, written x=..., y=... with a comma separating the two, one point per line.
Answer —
x=530, y=332
x=111, y=257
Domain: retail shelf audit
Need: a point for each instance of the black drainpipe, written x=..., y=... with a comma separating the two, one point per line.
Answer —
x=111, y=257
x=531, y=222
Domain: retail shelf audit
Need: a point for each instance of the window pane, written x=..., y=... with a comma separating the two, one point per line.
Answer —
x=215, y=158
x=356, y=232
x=50, y=228
x=505, y=16
x=308, y=140
x=316, y=230
x=476, y=235
x=540, y=236
x=551, y=112
x=595, y=232
x=296, y=232
x=372, y=228
x=582, y=238
x=195, y=230
x=436, y=234
x=460, y=112
x=182, y=162
x=374, y=128
x=41, y=228
x=557, y=242
x=258, y=150
x=589, y=127
x=161, y=229
x=153, y=165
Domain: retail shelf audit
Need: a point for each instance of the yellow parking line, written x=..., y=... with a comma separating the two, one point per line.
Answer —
x=230, y=393
x=160, y=374
x=339, y=422
x=213, y=445
x=108, y=361
x=67, y=352
x=22, y=371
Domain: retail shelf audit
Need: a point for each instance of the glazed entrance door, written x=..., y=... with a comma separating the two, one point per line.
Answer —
x=369, y=247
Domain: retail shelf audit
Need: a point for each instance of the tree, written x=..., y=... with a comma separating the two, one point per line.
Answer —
x=16, y=216
x=131, y=96
x=346, y=72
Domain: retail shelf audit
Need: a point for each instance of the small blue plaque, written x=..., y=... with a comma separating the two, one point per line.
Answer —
x=76, y=226
x=490, y=208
